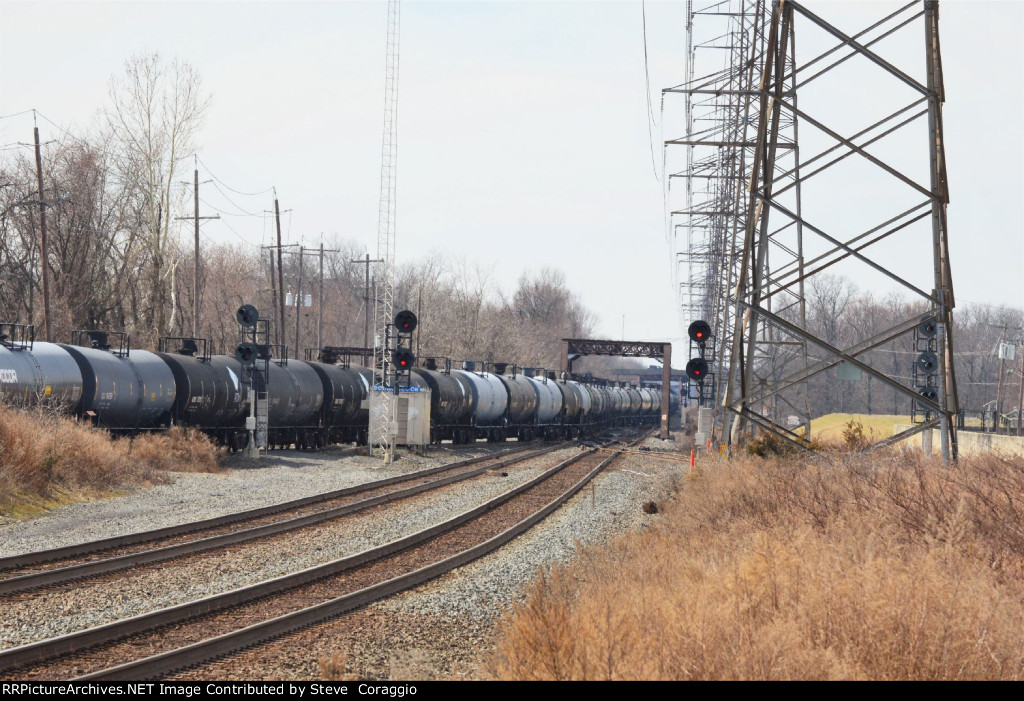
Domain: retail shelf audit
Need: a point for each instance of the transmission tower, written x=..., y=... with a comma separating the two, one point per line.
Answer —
x=386, y=215
x=872, y=165
x=725, y=54
x=746, y=243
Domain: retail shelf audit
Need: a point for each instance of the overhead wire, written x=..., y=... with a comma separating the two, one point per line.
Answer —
x=647, y=94
x=237, y=192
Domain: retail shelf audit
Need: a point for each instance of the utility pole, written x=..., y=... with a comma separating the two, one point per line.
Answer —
x=999, y=382
x=195, y=271
x=273, y=293
x=298, y=306
x=42, y=243
x=280, y=263
x=277, y=292
x=366, y=300
x=320, y=313
x=320, y=305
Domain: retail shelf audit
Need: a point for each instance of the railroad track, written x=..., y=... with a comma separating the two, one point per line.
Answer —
x=163, y=641
x=73, y=563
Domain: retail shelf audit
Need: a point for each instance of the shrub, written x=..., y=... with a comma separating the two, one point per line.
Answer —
x=43, y=452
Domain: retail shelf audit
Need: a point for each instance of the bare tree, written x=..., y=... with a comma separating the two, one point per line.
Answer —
x=155, y=111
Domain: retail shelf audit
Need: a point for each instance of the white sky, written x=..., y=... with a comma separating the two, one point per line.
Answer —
x=523, y=135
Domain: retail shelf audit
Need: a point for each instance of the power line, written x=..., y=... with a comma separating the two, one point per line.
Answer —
x=237, y=192
x=16, y=114
x=230, y=214
x=235, y=204
x=647, y=94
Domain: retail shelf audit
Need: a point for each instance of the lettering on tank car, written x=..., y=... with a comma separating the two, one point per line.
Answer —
x=9, y=377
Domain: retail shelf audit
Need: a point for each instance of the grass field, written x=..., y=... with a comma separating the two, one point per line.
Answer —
x=829, y=428
x=890, y=567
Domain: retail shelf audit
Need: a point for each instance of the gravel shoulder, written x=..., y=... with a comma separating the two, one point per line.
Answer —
x=242, y=484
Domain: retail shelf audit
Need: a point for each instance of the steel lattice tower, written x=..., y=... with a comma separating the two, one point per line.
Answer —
x=386, y=216
x=720, y=123
x=746, y=243
x=855, y=222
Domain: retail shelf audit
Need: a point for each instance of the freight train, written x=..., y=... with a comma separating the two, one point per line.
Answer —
x=100, y=378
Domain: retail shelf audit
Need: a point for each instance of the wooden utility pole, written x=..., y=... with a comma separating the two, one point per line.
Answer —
x=999, y=382
x=298, y=305
x=280, y=264
x=320, y=304
x=273, y=293
x=366, y=300
x=42, y=241
x=277, y=292
x=320, y=313
x=195, y=271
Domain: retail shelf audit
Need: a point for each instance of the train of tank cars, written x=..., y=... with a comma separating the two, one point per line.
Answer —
x=310, y=404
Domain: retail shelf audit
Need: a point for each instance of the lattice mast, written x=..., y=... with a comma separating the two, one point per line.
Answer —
x=386, y=219
x=720, y=125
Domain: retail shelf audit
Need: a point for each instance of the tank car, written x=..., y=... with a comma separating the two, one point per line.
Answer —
x=37, y=373
x=490, y=400
x=550, y=405
x=295, y=396
x=209, y=392
x=523, y=401
x=452, y=403
x=343, y=418
x=123, y=390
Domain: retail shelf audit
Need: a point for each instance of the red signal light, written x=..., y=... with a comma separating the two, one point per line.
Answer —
x=405, y=321
x=696, y=368
x=699, y=331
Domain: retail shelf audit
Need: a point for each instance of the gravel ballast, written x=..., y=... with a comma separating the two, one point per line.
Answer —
x=446, y=628
x=93, y=603
x=441, y=630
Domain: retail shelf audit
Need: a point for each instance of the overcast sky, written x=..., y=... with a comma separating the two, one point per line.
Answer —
x=523, y=128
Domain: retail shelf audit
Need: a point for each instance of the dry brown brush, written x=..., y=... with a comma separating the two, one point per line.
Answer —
x=43, y=453
x=839, y=567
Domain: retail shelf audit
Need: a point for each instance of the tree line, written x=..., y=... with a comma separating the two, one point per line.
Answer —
x=111, y=199
x=841, y=314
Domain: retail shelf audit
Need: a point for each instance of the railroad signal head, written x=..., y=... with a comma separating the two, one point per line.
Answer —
x=699, y=331
x=403, y=359
x=245, y=353
x=927, y=362
x=928, y=329
x=697, y=369
x=247, y=315
x=405, y=321
x=929, y=393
